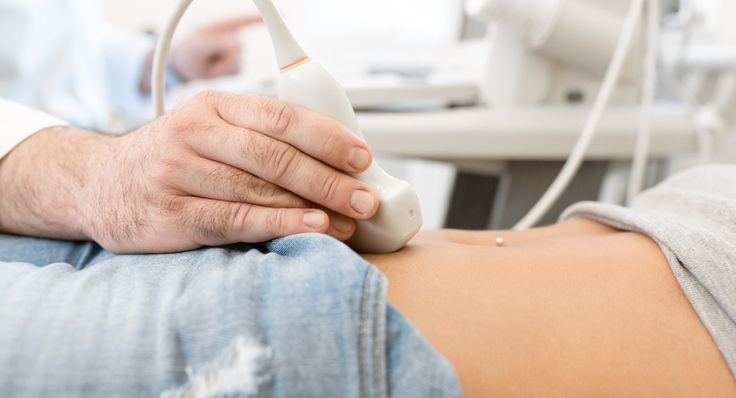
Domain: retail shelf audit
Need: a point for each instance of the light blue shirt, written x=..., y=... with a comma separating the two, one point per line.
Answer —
x=61, y=58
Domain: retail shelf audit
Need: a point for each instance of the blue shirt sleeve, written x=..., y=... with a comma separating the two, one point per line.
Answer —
x=125, y=57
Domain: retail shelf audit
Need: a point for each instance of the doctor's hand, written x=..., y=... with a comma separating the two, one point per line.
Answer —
x=211, y=52
x=220, y=169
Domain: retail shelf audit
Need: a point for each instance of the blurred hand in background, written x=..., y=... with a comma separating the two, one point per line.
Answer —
x=213, y=51
x=209, y=53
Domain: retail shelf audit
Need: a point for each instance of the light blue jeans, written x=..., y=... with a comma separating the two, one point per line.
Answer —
x=297, y=317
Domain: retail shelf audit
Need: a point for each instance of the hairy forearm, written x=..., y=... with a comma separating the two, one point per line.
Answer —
x=42, y=182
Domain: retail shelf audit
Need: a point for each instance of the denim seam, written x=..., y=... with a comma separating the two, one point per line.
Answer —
x=379, y=349
x=362, y=366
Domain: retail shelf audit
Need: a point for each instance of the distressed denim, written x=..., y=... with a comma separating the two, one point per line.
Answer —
x=302, y=316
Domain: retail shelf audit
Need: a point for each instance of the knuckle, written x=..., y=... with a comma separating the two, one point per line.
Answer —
x=240, y=217
x=164, y=169
x=276, y=224
x=250, y=145
x=334, y=136
x=245, y=187
x=222, y=181
x=232, y=182
x=282, y=160
x=171, y=205
x=279, y=116
x=333, y=141
x=330, y=188
x=295, y=202
x=207, y=97
x=240, y=187
x=210, y=222
x=177, y=123
x=158, y=174
x=261, y=189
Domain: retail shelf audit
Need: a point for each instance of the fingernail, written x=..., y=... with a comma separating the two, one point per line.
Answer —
x=315, y=219
x=359, y=159
x=362, y=202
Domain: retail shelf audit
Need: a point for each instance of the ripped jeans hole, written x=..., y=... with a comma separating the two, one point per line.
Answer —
x=240, y=370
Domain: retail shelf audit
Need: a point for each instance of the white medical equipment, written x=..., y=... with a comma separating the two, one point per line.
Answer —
x=582, y=35
x=306, y=82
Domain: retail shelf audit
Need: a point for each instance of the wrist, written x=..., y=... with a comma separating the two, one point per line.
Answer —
x=78, y=167
x=98, y=158
x=44, y=181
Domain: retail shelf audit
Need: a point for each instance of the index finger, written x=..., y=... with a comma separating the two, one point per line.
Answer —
x=317, y=135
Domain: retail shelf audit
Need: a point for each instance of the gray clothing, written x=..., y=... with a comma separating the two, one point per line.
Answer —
x=692, y=216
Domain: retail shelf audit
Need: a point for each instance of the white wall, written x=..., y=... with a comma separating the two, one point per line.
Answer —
x=151, y=15
x=342, y=33
x=409, y=21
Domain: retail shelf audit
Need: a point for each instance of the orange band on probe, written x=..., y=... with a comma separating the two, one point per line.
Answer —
x=295, y=63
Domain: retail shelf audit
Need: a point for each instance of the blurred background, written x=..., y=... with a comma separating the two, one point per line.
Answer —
x=428, y=80
x=341, y=33
x=349, y=36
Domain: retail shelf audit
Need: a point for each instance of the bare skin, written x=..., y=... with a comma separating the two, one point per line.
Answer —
x=573, y=310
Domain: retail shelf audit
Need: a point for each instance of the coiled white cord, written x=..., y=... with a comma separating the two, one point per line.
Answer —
x=577, y=156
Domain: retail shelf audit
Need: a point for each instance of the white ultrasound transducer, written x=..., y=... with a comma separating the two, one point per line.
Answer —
x=308, y=83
